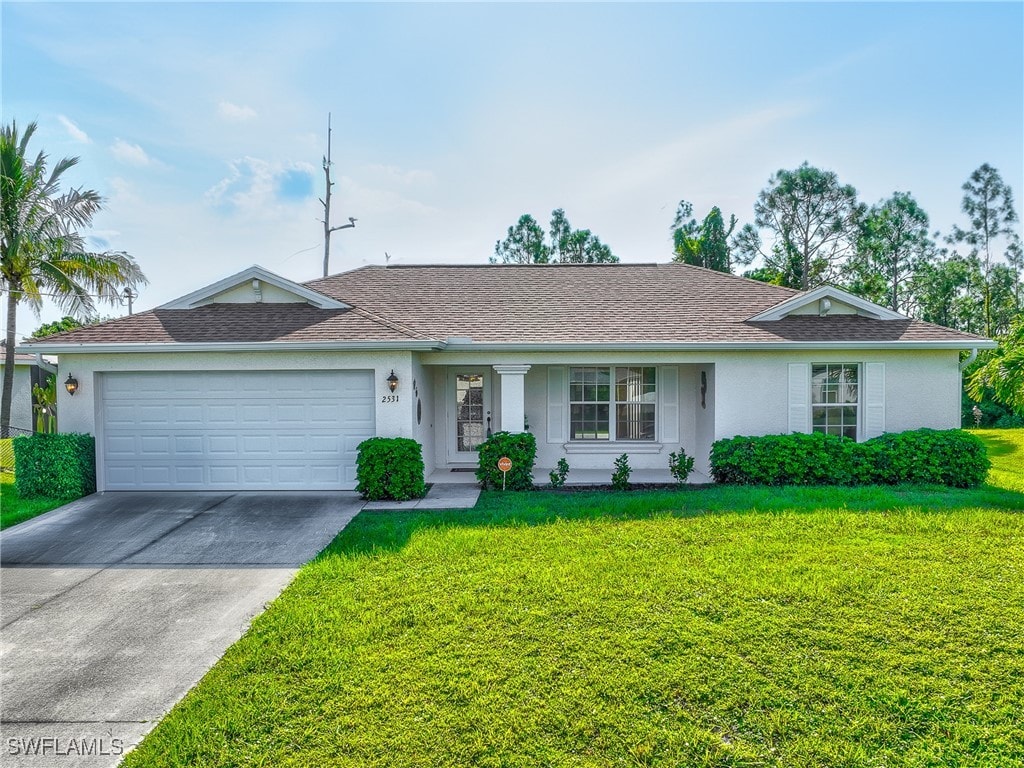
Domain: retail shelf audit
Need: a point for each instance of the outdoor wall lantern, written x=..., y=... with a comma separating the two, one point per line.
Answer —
x=392, y=381
x=71, y=385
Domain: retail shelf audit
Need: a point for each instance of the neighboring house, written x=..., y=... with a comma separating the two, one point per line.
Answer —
x=28, y=370
x=257, y=382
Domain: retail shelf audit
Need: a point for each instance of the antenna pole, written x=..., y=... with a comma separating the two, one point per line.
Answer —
x=326, y=203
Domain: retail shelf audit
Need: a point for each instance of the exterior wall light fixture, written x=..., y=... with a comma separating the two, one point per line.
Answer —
x=71, y=385
x=392, y=381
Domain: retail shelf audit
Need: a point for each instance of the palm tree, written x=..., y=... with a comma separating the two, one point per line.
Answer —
x=42, y=252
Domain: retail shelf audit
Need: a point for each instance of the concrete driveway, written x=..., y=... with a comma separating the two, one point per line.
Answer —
x=112, y=607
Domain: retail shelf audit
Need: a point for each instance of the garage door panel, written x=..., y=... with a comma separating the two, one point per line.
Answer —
x=155, y=445
x=187, y=415
x=188, y=445
x=224, y=474
x=257, y=445
x=220, y=445
x=120, y=475
x=327, y=413
x=255, y=475
x=292, y=414
x=256, y=413
x=325, y=444
x=119, y=446
x=221, y=384
x=327, y=474
x=119, y=415
x=222, y=415
x=155, y=474
x=234, y=430
x=188, y=474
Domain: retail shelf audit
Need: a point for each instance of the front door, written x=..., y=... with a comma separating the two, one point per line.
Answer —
x=469, y=413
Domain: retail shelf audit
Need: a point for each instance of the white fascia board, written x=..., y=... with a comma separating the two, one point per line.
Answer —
x=255, y=272
x=247, y=346
x=720, y=346
x=826, y=292
x=439, y=346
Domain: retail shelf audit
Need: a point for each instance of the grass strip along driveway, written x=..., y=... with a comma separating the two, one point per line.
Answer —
x=719, y=627
x=14, y=509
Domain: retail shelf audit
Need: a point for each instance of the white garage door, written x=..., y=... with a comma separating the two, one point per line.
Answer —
x=244, y=430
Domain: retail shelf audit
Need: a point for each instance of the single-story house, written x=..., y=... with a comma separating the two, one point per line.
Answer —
x=29, y=370
x=258, y=382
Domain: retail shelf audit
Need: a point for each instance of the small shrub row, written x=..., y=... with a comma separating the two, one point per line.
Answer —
x=390, y=468
x=521, y=449
x=924, y=456
x=56, y=466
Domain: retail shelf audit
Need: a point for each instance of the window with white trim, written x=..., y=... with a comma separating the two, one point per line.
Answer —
x=835, y=398
x=613, y=403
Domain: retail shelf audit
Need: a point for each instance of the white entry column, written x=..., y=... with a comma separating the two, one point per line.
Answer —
x=513, y=396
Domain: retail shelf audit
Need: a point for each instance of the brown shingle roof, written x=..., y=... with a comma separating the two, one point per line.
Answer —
x=622, y=303
x=598, y=303
x=237, y=323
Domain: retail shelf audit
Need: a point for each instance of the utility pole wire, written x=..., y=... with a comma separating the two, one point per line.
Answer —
x=326, y=203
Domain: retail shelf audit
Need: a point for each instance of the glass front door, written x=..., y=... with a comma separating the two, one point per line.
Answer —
x=469, y=413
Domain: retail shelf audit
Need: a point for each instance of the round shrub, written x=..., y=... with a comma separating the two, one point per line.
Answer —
x=390, y=468
x=930, y=457
x=520, y=447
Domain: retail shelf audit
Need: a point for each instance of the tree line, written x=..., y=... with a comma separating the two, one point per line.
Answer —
x=809, y=228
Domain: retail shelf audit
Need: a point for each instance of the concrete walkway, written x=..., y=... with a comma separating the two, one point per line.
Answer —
x=440, y=496
x=112, y=607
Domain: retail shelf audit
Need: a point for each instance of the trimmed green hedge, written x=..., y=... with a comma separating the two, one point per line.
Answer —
x=57, y=466
x=924, y=456
x=521, y=447
x=390, y=468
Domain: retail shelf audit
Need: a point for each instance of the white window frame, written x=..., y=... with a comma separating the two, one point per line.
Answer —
x=859, y=405
x=612, y=402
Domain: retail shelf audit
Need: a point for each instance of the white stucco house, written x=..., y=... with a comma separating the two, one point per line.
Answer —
x=257, y=382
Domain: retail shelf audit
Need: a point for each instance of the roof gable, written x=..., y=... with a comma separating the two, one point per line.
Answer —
x=255, y=285
x=825, y=301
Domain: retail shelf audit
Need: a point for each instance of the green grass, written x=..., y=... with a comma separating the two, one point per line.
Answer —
x=1006, y=450
x=718, y=627
x=14, y=509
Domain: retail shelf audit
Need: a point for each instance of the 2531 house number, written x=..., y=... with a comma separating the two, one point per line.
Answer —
x=389, y=399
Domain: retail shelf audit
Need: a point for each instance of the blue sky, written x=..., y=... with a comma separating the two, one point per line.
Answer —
x=203, y=124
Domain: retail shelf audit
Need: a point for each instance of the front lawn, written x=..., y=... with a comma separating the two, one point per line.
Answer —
x=719, y=627
x=14, y=509
x=1006, y=450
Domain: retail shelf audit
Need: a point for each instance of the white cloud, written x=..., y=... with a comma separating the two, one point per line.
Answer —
x=254, y=185
x=74, y=131
x=235, y=112
x=130, y=154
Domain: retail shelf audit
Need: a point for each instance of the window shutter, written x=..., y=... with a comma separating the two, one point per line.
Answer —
x=799, y=397
x=668, y=389
x=874, y=399
x=557, y=404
